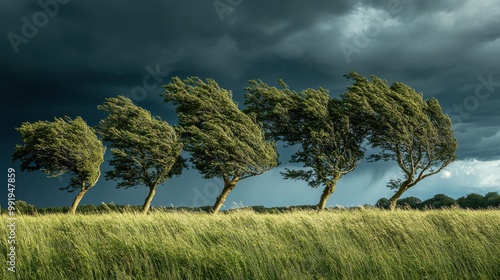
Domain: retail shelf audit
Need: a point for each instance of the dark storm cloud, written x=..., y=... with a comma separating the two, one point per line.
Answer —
x=431, y=45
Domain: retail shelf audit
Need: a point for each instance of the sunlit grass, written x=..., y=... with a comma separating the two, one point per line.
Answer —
x=355, y=244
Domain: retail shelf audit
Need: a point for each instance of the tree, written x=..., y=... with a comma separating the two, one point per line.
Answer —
x=222, y=140
x=472, y=201
x=405, y=128
x=59, y=147
x=492, y=199
x=438, y=201
x=146, y=150
x=383, y=203
x=411, y=202
x=330, y=146
x=23, y=207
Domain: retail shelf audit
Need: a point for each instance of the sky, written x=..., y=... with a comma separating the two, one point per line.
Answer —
x=64, y=57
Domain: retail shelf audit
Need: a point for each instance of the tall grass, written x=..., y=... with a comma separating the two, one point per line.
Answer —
x=357, y=244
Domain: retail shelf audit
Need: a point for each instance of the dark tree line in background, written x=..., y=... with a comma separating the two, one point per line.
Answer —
x=439, y=201
x=228, y=143
x=473, y=201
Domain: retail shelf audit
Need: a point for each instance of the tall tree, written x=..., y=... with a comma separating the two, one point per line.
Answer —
x=59, y=147
x=222, y=140
x=405, y=128
x=146, y=150
x=330, y=146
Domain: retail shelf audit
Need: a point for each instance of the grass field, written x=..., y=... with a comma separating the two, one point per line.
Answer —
x=336, y=244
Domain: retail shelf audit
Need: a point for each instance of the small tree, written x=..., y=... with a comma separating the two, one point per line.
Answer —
x=492, y=199
x=438, y=201
x=24, y=207
x=330, y=146
x=59, y=147
x=223, y=141
x=146, y=150
x=472, y=201
x=411, y=202
x=406, y=128
x=383, y=203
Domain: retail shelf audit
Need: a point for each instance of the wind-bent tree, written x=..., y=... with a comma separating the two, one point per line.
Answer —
x=330, y=146
x=405, y=128
x=146, y=150
x=223, y=141
x=59, y=147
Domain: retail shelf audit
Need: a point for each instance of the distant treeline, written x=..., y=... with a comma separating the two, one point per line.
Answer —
x=439, y=201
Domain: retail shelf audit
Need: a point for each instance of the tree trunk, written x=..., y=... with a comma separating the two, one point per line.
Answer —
x=78, y=198
x=149, y=198
x=228, y=187
x=394, y=199
x=329, y=188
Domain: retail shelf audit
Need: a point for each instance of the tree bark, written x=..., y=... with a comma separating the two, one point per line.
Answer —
x=228, y=187
x=327, y=192
x=78, y=198
x=394, y=199
x=149, y=198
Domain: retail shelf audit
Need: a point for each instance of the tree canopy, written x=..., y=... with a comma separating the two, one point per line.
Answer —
x=439, y=201
x=405, y=128
x=146, y=150
x=60, y=147
x=223, y=141
x=330, y=146
x=233, y=144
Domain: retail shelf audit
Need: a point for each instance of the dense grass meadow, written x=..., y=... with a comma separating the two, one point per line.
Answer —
x=242, y=244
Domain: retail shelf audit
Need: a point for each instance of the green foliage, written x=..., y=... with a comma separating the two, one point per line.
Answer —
x=491, y=199
x=223, y=141
x=411, y=202
x=474, y=201
x=145, y=148
x=22, y=207
x=438, y=201
x=59, y=147
x=329, y=145
x=406, y=128
x=275, y=108
x=366, y=244
x=383, y=203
